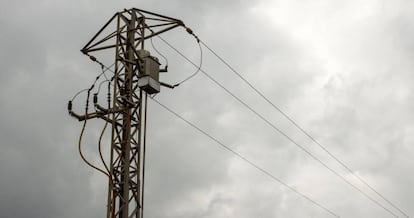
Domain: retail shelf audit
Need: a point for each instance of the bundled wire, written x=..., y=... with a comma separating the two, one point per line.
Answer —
x=81, y=136
x=104, y=69
x=104, y=128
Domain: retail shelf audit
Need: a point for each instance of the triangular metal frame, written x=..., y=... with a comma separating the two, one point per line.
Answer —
x=152, y=25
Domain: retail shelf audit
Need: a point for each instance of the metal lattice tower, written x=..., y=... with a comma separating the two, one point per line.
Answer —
x=135, y=76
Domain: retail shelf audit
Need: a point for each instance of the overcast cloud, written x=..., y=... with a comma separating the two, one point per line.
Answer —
x=343, y=70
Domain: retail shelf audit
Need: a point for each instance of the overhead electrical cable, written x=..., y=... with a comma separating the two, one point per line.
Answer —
x=302, y=129
x=78, y=93
x=198, y=67
x=104, y=69
x=251, y=163
x=100, y=147
x=81, y=137
x=158, y=52
x=280, y=131
x=105, y=126
x=107, y=69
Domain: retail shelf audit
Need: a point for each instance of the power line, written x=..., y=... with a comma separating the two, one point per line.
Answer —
x=81, y=137
x=251, y=163
x=280, y=131
x=301, y=128
x=105, y=126
x=198, y=68
x=158, y=52
x=104, y=69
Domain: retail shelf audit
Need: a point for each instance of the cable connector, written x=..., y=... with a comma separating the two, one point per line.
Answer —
x=168, y=85
x=93, y=86
x=191, y=32
x=92, y=58
x=95, y=98
x=164, y=70
x=73, y=114
x=70, y=106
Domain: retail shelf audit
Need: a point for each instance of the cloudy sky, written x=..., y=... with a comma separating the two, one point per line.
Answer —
x=343, y=70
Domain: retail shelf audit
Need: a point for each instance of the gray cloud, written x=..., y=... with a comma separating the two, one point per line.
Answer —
x=344, y=71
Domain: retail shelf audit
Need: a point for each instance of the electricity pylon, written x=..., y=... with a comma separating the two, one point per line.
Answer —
x=136, y=74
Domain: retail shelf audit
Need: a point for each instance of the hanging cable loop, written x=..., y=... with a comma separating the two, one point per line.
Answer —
x=200, y=64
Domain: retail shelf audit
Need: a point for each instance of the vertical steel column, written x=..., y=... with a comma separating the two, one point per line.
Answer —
x=112, y=181
x=124, y=191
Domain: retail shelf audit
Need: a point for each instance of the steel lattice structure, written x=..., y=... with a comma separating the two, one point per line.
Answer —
x=128, y=111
